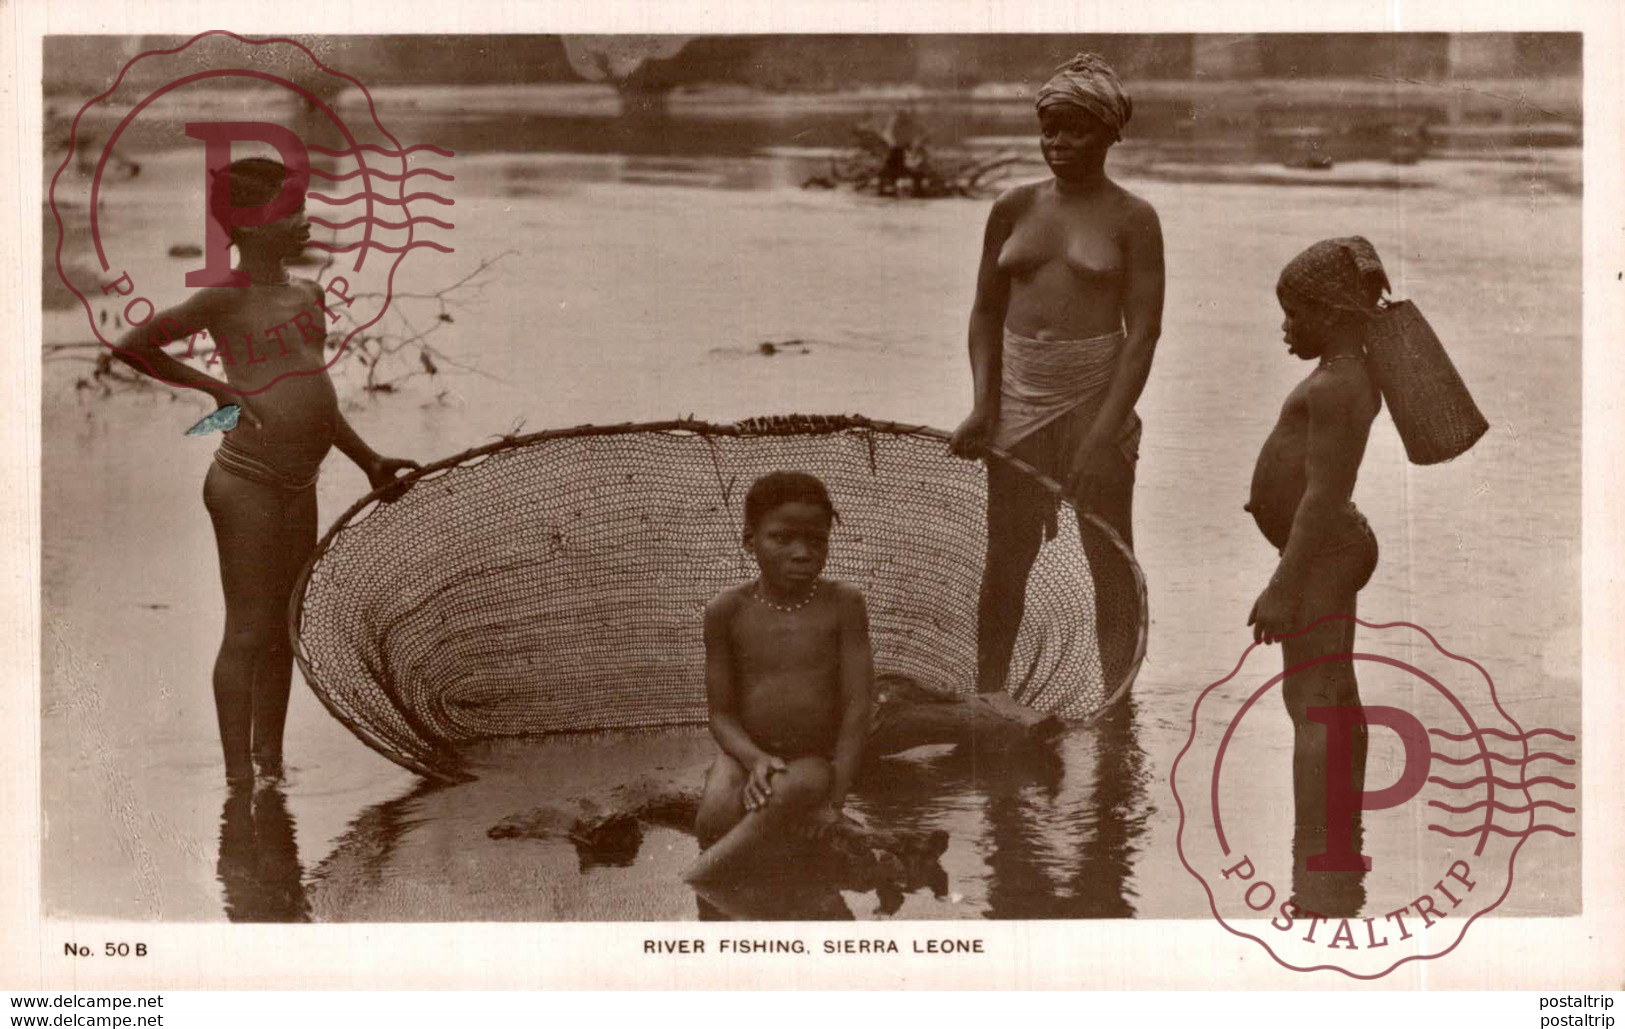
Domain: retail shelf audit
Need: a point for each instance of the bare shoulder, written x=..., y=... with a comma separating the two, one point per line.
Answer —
x=310, y=286
x=202, y=310
x=723, y=610
x=725, y=605
x=209, y=302
x=848, y=598
x=1135, y=213
x=1015, y=200
x=1342, y=393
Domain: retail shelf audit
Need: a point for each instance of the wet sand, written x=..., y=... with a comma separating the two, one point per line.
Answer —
x=632, y=299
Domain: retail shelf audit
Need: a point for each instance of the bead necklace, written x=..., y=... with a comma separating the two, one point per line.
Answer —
x=1356, y=356
x=786, y=609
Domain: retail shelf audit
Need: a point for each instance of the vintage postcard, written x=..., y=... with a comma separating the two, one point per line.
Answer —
x=964, y=497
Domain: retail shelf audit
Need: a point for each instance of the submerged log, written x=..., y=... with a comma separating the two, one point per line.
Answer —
x=607, y=829
x=909, y=715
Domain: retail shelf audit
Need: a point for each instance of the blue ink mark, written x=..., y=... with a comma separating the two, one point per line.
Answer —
x=221, y=420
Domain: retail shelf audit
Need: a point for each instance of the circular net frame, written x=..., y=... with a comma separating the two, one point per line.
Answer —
x=555, y=582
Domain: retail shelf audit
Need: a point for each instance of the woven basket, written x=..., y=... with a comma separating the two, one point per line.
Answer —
x=1435, y=415
x=556, y=582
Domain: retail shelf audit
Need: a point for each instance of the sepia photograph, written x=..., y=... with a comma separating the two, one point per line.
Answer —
x=790, y=478
x=828, y=464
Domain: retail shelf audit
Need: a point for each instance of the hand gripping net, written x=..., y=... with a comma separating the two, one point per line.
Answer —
x=555, y=582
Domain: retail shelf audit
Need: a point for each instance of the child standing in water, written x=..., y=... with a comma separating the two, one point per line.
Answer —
x=788, y=675
x=1301, y=499
x=261, y=489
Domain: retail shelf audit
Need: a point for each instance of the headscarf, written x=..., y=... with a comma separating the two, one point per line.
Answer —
x=1343, y=273
x=1087, y=81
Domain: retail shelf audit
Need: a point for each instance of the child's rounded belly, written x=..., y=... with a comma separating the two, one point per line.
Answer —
x=1273, y=514
x=1278, y=485
x=792, y=718
x=299, y=415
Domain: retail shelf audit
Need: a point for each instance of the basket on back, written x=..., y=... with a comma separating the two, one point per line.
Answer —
x=1431, y=407
x=555, y=582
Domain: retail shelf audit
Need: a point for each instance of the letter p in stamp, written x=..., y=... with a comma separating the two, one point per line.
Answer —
x=1413, y=791
x=226, y=101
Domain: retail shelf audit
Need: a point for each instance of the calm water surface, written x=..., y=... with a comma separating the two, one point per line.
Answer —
x=639, y=287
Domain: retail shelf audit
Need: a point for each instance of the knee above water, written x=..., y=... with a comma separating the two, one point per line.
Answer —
x=806, y=783
x=726, y=775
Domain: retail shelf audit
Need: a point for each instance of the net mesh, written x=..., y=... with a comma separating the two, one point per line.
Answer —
x=555, y=582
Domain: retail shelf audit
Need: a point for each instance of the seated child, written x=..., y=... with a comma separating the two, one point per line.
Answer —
x=788, y=676
x=1301, y=500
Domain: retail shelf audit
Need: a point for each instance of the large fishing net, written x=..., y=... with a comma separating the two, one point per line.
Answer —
x=555, y=582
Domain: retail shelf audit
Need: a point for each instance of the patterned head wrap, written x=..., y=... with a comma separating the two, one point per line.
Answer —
x=1344, y=274
x=1087, y=81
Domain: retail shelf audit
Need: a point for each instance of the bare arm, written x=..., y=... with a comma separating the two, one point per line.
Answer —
x=380, y=471
x=351, y=445
x=348, y=441
x=1142, y=322
x=1339, y=426
x=142, y=348
x=987, y=330
x=986, y=335
x=720, y=690
x=857, y=691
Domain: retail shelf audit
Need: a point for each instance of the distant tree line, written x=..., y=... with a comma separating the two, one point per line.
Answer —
x=826, y=62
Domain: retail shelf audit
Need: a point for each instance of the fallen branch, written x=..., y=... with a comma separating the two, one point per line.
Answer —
x=607, y=827
x=881, y=159
x=909, y=715
x=372, y=349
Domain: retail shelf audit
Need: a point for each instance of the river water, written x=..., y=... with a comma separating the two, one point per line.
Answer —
x=637, y=287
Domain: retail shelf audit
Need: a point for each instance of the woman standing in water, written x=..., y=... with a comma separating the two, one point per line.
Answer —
x=1067, y=314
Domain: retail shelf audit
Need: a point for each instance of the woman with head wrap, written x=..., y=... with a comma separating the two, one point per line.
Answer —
x=1067, y=314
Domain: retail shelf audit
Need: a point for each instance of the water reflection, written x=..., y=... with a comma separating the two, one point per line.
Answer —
x=1315, y=763
x=1328, y=894
x=792, y=897
x=1052, y=849
x=1058, y=829
x=259, y=868
x=799, y=884
x=1051, y=857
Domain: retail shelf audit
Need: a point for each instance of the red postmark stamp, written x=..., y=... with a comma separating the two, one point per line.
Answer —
x=130, y=246
x=1358, y=838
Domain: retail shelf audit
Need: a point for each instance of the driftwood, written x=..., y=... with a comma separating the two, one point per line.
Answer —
x=930, y=174
x=882, y=158
x=607, y=828
x=909, y=715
